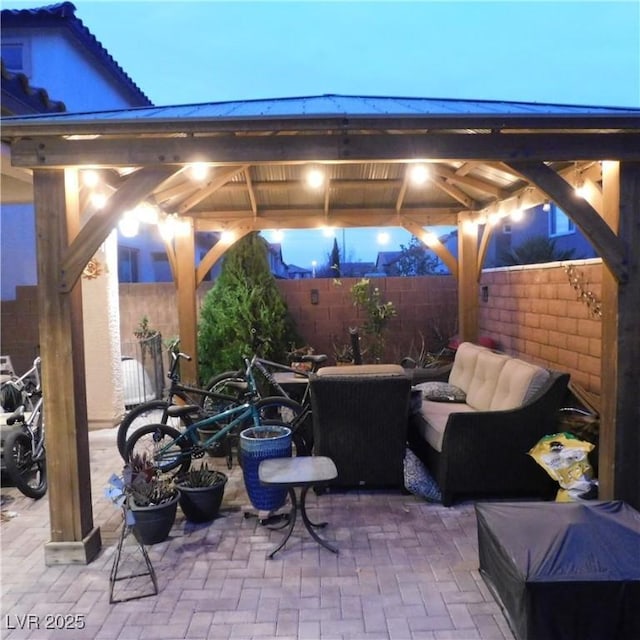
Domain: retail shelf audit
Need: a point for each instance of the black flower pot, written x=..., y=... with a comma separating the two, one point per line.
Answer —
x=152, y=524
x=201, y=504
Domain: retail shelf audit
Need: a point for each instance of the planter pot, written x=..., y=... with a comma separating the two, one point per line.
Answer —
x=153, y=524
x=258, y=444
x=201, y=504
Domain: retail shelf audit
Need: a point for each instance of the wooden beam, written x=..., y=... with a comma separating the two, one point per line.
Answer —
x=619, y=458
x=611, y=248
x=217, y=251
x=469, y=181
x=403, y=190
x=186, y=299
x=92, y=235
x=306, y=218
x=433, y=243
x=210, y=187
x=467, y=282
x=487, y=232
x=74, y=539
x=455, y=192
x=123, y=152
x=250, y=190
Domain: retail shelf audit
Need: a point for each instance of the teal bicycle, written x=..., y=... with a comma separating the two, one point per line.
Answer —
x=172, y=451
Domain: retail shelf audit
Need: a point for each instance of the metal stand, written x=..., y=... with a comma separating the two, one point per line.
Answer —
x=114, y=577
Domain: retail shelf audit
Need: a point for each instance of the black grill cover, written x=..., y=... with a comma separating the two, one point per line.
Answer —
x=563, y=571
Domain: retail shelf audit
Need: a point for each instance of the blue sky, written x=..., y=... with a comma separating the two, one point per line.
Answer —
x=573, y=51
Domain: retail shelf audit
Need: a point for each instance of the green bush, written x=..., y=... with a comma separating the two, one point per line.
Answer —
x=245, y=296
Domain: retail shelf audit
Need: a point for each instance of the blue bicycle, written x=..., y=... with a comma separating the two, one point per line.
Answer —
x=172, y=450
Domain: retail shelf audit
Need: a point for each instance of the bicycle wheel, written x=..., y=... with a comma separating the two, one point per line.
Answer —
x=230, y=387
x=152, y=412
x=280, y=410
x=29, y=475
x=158, y=442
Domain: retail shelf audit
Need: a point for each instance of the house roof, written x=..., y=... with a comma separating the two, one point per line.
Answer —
x=19, y=97
x=62, y=15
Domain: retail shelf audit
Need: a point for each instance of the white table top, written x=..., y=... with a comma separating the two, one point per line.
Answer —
x=297, y=471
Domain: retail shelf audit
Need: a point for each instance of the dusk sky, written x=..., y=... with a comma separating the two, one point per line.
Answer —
x=572, y=52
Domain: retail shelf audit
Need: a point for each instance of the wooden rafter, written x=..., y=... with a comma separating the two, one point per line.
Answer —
x=210, y=187
x=455, y=192
x=433, y=243
x=475, y=183
x=250, y=191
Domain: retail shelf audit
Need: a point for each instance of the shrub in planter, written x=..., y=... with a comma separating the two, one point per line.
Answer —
x=152, y=500
x=201, y=493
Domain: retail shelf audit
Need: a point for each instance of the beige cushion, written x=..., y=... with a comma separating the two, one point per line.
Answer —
x=482, y=388
x=464, y=365
x=435, y=416
x=363, y=370
x=518, y=381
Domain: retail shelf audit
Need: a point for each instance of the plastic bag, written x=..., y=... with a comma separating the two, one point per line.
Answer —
x=565, y=458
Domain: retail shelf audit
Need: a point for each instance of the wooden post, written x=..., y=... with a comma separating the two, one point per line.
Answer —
x=74, y=539
x=467, y=281
x=619, y=455
x=186, y=295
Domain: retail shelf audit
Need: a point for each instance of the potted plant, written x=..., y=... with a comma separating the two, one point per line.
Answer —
x=151, y=498
x=258, y=444
x=201, y=492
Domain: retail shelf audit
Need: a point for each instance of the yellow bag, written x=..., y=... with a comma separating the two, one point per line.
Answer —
x=565, y=458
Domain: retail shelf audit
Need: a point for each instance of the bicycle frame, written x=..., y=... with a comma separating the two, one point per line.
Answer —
x=32, y=422
x=190, y=435
x=261, y=365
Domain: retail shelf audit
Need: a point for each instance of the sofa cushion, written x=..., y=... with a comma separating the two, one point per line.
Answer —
x=464, y=365
x=362, y=370
x=441, y=392
x=482, y=388
x=518, y=382
x=435, y=416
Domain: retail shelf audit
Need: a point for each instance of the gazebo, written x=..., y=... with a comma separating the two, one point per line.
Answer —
x=483, y=159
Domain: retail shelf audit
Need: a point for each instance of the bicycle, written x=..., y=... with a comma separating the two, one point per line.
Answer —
x=225, y=383
x=24, y=452
x=177, y=393
x=172, y=450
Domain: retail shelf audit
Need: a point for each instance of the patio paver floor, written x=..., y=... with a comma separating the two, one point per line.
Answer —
x=407, y=569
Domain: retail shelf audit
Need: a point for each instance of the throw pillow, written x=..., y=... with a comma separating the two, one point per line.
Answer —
x=442, y=392
x=418, y=480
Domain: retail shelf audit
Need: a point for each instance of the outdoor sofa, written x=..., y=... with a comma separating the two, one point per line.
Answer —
x=360, y=418
x=477, y=445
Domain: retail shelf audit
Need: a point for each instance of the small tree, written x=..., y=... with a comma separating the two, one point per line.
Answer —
x=368, y=298
x=334, y=260
x=415, y=259
x=244, y=297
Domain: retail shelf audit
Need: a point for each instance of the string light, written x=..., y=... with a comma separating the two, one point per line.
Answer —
x=419, y=174
x=315, y=178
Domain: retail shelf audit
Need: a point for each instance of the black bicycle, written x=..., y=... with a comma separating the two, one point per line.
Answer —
x=211, y=401
x=172, y=450
x=23, y=451
x=276, y=380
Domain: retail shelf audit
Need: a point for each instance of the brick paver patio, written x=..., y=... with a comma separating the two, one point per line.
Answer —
x=406, y=569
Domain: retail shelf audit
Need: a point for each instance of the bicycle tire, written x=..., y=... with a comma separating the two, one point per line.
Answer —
x=281, y=410
x=29, y=475
x=224, y=384
x=151, y=412
x=147, y=440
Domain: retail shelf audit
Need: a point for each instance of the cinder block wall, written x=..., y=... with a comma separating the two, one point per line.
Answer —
x=534, y=312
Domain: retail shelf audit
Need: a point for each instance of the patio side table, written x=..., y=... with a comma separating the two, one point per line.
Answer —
x=304, y=472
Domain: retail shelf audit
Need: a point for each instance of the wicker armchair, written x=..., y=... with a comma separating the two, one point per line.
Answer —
x=360, y=416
